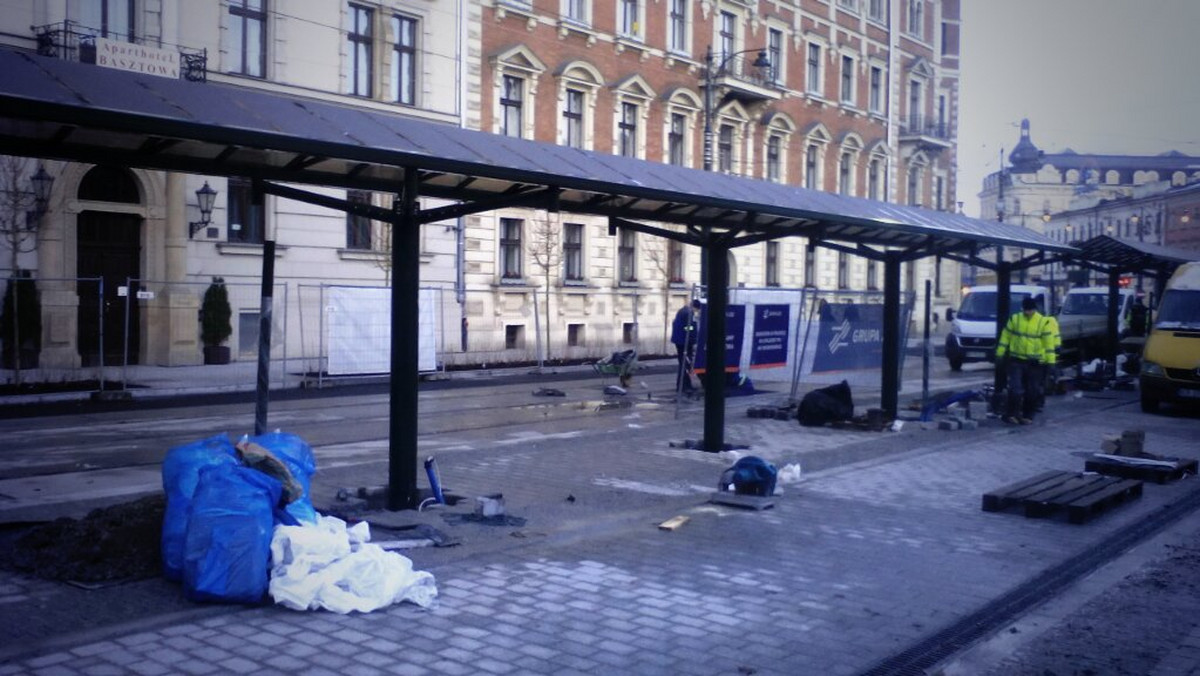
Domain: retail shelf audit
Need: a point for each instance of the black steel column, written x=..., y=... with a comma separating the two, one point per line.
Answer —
x=714, y=346
x=1003, y=311
x=1111, y=339
x=266, y=307
x=890, y=387
x=406, y=279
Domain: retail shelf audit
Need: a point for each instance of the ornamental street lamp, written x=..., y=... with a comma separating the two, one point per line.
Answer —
x=205, y=197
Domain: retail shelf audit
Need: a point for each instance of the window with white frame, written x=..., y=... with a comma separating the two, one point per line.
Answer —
x=812, y=82
x=877, y=10
x=939, y=196
x=112, y=19
x=404, y=59
x=916, y=18
x=628, y=129
x=876, y=177
x=675, y=139
x=812, y=167
x=246, y=39
x=627, y=255
x=573, y=118
x=577, y=11
x=358, y=227
x=360, y=66
x=847, y=81
x=915, y=180
x=843, y=270
x=512, y=107
x=772, y=264
x=775, y=56
x=726, y=36
x=629, y=18
x=846, y=173
x=810, y=266
x=573, y=252
x=725, y=148
x=872, y=275
x=510, y=248
x=774, y=151
x=848, y=5
x=677, y=26
x=877, y=97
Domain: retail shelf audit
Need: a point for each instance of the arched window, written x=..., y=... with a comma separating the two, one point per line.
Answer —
x=110, y=184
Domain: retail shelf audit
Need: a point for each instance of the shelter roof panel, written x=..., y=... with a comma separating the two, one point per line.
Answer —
x=230, y=130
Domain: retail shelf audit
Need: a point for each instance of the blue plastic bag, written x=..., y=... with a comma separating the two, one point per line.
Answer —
x=227, y=554
x=298, y=456
x=750, y=475
x=180, y=472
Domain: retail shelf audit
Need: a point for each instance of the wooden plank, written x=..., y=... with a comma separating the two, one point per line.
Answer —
x=1001, y=498
x=1086, y=485
x=1117, y=492
x=674, y=522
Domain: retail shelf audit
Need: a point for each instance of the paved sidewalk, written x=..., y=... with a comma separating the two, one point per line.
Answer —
x=883, y=547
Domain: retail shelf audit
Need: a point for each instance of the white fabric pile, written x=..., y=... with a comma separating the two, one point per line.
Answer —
x=326, y=565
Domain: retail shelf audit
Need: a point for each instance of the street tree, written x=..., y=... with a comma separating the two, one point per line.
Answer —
x=545, y=249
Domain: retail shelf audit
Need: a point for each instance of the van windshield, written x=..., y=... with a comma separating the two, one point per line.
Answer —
x=1085, y=304
x=1179, y=309
x=980, y=306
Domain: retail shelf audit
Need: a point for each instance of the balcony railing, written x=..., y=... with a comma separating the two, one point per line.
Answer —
x=741, y=67
x=72, y=41
x=919, y=125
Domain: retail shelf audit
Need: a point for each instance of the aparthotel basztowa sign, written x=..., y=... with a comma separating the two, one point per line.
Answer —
x=137, y=58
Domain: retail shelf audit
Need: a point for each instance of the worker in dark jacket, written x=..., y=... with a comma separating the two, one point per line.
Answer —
x=1022, y=351
x=683, y=337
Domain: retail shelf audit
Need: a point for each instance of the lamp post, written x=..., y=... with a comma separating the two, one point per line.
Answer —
x=205, y=197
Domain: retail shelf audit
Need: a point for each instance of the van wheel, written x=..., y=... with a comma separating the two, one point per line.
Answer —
x=955, y=364
x=1149, y=404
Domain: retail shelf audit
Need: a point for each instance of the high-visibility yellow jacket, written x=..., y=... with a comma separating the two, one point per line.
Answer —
x=1023, y=338
x=1051, y=339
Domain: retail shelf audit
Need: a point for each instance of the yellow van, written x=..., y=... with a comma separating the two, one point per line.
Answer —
x=1171, y=359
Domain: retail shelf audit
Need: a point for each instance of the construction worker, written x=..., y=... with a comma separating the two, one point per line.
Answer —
x=683, y=337
x=1052, y=343
x=1022, y=351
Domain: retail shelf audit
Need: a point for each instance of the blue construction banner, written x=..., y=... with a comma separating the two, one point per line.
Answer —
x=735, y=327
x=768, y=348
x=849, y=336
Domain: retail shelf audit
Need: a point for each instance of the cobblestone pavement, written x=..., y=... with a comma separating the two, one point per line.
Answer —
x=855, y=563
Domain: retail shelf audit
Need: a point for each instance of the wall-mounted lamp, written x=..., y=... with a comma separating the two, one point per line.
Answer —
x=42, y=182
x=205, y=197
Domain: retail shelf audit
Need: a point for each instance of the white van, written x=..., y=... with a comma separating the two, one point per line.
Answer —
x=973, y=330
x=1083, y=319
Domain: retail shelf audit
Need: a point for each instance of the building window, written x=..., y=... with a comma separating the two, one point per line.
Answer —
x=629, y=24
x=845, y=173
x=576, y=10
x=939, y=186
x=358, y=228
x=404, y=60
x=512, y=102
x=772, y=264
x=843, y=280
x=727, y=36
x=628, y=130
x=112, y=18
x=574, y=335
x=775, y=55
x=850, y=5
x=247, y=38
x=359, y=37
x=916, y=18
x=876, y=95
x=877, y=10
x=810, y=167
x=514, y=336
x=675, y=261
x=510, y=248
x=848, y=80
x=875, y=179
x=675, y=137
x=915, y=105
x=813, y=85
x=914, y=186
x=246, y=224
x=627, y=255
x=573, y=251
x=573, y=118
x=773, y=150
x=872, y=275
x=810, y=266
x=725, y=148
x=942, y=131
x=678, y=26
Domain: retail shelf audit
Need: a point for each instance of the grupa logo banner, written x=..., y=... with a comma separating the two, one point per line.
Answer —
x=849, y=336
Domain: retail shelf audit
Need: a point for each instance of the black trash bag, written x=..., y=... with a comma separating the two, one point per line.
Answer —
x=826, y=405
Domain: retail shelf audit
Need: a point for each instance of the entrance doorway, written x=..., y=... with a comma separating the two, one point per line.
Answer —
x=109, y=248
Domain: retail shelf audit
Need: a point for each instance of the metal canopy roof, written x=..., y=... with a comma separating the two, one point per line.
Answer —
x=1131, y=255
x=71, y=111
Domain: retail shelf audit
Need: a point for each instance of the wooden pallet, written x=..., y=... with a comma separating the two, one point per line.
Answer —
x=1081, y=496
x=1166, y=469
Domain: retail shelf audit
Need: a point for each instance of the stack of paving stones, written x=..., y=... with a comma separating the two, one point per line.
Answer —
x=965, y=415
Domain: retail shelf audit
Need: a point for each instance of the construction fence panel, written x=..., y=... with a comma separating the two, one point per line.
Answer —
x=49, y=318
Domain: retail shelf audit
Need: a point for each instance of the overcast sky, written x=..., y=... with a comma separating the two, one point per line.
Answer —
x=1095, y=76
